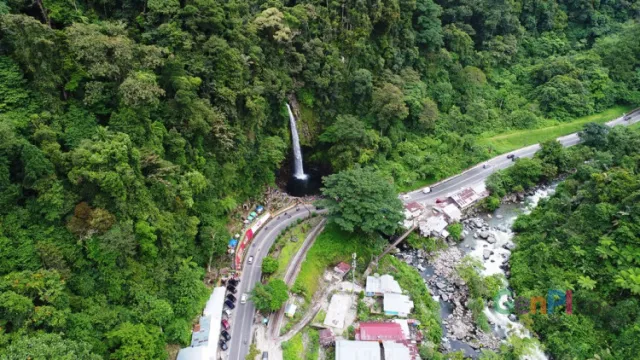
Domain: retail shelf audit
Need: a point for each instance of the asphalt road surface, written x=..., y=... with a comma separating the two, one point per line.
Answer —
x=242, y=319
x=478, y=174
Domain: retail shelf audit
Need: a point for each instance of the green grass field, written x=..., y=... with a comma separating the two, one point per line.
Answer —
x=289, y=248
x=509, y=141
x=332, y=246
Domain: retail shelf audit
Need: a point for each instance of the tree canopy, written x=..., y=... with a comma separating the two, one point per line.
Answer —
x=362, y=200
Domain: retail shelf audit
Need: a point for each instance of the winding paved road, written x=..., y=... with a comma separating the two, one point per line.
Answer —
x=242, y=320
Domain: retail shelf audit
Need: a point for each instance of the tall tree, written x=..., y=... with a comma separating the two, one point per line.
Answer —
x=362, y=200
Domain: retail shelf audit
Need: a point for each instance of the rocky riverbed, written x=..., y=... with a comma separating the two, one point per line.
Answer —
x=488, y=238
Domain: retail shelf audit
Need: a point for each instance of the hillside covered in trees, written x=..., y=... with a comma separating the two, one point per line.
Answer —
x=130, y=129
x=585, y=239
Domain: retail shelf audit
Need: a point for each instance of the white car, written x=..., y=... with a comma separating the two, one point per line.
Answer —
x=250, y=261
x=243, y=299
x=426, y=190
x=227, y=311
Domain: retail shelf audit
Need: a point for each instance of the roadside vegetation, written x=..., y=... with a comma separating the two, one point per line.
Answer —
x=332, y=246
x=303, y=346
x=550, y=130
x=284, y=248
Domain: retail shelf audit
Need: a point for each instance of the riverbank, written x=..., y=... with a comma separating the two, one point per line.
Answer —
x=469, y=321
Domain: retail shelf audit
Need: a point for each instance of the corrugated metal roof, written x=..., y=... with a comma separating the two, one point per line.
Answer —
x=343, y=266
x=383, y=284
x=396, y=351
x=397, y=303
x=358, y=350
x=373, y=331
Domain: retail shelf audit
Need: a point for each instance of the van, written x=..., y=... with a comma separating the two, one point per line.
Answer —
x=426, y=190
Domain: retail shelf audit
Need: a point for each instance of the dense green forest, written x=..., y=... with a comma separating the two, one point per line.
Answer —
x=129, y=130
x=585, y=238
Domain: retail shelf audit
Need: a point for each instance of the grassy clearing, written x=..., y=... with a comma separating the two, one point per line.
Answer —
x=509, y=141
x=304, y=345
x=284, y=249
x=332, y=246
x=426, y=310
x=292, y=349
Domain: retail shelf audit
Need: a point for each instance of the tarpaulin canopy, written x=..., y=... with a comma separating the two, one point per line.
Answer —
x=259, y=208
x=253, y=213
x=233, y=242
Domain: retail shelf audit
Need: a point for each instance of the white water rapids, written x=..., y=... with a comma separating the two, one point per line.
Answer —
x=501, y=230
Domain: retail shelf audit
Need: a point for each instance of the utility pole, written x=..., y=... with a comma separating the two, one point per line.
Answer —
x=353, y=272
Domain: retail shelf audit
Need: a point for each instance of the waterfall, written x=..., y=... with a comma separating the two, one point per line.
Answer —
x=298, y=171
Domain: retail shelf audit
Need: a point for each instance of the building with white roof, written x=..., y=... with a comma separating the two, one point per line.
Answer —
x=396, y=304
x=358, y=350
x=195, y=353
x=204, y=340
x=452, y=213
x=434, y=226
x=338, y=308
x=379, y=285
x=290, y=310
x=396, y=351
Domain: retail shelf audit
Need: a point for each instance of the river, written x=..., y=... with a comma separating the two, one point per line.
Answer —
x=487, y=238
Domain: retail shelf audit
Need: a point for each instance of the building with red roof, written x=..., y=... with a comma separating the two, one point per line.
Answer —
x=342, y=268
x=379, y=331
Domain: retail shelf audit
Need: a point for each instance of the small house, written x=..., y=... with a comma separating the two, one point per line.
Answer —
x=413, y=210
x=397, y=305
x=290, y=310
x=379, y=285
x=342, y=269
x=452, y=213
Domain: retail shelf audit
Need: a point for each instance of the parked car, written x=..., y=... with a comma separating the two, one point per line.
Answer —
x=510, y=156
x=231, y=289
x=265, y=355
x=250, y=261
x=226, y=335
x=223, y=345
x=231, y=297
x=233, y=282
x=243, y=299
x=229, y=304
x=227, y=312
x=438, y=201
x=225, y=324
x=426, y=190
